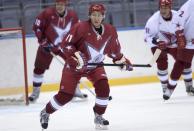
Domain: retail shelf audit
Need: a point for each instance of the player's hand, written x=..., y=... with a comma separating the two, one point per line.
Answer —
x=45, y=45
x=181, y=41
x=48, y=47
x=126, y=64
x=77, y=61
x=56, y=50
x=162, y=45
x=81, y=60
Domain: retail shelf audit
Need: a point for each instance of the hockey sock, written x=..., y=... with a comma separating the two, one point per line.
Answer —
x=58, y=101
x=102, y=94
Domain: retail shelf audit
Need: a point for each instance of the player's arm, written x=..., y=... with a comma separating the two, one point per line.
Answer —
x=71, y=55
x=183, y=13
x=115, y=52
x=183, y=16
x=150, y=31
x=39, y=27
x=152, y=34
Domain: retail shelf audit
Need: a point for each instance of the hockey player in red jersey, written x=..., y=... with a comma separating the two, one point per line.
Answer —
x=50, y=26
x=87, y=42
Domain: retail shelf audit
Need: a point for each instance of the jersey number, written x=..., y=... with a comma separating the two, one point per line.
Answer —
x=182, y=12
x=69, y=38
x=37, y=22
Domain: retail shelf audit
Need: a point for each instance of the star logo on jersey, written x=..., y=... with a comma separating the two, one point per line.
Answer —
x=69, y=48
x=96, y=55
x=61, y=33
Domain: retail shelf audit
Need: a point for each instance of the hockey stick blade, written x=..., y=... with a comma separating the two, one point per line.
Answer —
x=155, y=57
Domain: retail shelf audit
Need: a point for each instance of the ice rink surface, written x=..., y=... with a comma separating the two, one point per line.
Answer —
x=133, y=108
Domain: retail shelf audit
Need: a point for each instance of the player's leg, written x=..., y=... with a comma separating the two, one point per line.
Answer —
x=162, y=66
x=174, y=77
x=100, y=83
x=184, y=57
x=42, y=63
x=187, y=76
x=67, y=88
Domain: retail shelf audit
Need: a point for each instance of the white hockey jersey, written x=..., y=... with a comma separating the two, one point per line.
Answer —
x=186, y=18
x=157, y=27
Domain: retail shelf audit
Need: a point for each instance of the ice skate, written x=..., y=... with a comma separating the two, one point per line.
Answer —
x=79, y=94
x=164, y=87
x=35, y=94
x=167, y=94
x=100, y=122
x=190, y=90
x=44, y=118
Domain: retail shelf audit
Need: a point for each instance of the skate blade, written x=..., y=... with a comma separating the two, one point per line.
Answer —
x=82, y=96
x=32, y=102
x=101, y=127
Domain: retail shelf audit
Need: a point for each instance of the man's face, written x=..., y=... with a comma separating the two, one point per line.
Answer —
x=96, y=18
x=60, y=7
x=165, y=11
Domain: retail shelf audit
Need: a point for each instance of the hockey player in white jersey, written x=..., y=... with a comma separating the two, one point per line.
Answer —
x=185, y=50
x=160, y=33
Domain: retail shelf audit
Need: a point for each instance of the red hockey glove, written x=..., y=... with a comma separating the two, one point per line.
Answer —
x=48, y=47
x=126, y=64
x=181, y=41
x=162, y=45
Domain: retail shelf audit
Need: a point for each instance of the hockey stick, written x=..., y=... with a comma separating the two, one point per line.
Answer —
x=150, y=64
x=111, y=64
x=86, y=87
x=59, y=60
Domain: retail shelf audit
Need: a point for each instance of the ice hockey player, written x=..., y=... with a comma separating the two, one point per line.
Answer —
x=50, y=26
x=160, y=33
x=88, y=42
x=185, y=52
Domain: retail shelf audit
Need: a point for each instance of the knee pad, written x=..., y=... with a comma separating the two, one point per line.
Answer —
x=102, y=88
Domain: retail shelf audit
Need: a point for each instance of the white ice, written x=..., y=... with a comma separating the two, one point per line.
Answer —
x=133, y=108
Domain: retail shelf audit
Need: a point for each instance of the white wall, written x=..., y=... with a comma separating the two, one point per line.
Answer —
x=133, y=46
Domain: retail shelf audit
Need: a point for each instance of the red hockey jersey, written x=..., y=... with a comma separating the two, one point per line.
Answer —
x=49, y=25
x=84, y=38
